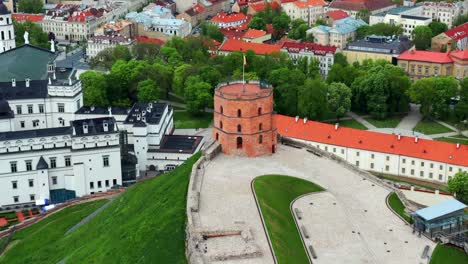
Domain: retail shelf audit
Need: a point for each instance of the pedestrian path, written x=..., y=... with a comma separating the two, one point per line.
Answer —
x=411, y=120
x=361, y=120
x=449, y=134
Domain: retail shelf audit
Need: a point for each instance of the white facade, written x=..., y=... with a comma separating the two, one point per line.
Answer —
x=398, y=165
x=407, y=22
x=301, y=9
x=324, y=58
x=69, y=158
x=444, y=12
x=7, y=33
x=97, y=44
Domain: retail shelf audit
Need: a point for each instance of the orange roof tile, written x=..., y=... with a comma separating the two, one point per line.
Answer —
x=372, y=141
x=426, y=56
x=305, y=4
x=254, y=33
x=227, y=18
x=460, y=54
x=337, y=15
x=232, y=45
x=27, y=17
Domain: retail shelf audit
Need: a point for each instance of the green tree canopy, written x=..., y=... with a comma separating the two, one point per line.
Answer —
x=30, y=6
x=459, y=185
x=37, y=37
x=381, y=29
x=434, y=94
x=461, y=109
x=422, y=36
x=298, y=29
x=312, y=99
x=437, y=27
x=257, y=23
x=281, y=23
x=364, y=14
x=148, y=91
x=94, y=89
x=211, y=31
x=339, y=99
x=197, y=95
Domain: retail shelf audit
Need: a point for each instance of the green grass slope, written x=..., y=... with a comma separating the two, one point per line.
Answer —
x=444, y=254
x=398, y=207
x=146, y=224
x=275, y=193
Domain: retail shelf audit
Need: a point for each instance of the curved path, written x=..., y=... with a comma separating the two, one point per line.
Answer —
x=226, y=200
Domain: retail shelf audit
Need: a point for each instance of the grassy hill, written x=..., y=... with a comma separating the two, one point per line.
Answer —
x=146, y=224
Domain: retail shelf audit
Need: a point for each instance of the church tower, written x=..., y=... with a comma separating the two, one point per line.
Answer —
x=7, y=32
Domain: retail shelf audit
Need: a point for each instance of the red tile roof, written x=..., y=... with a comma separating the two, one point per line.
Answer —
x=308, y=3
x=248, y=2
x=27, y=17
x=254, y=33
x=356, y=5
x=337, y=14
x=228, y=18
x=460, y=54
x=260, y=6
x=372, y=141
x=426, y=56
x=231, y=45
x=145, y=39
x=459, y=32
x=232, y=33
x=317, y=49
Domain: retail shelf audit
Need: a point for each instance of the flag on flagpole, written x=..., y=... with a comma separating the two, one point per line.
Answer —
x=245, y=60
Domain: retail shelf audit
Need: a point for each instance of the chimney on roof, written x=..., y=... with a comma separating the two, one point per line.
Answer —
x=458, y=145
x=54, y=76
x=109, y=109
x=85, y=128
x=305, y=120
x=416, y=139
x=337, y=125
x=50, y=81
x=399, y=136
x=27, y=82
x=297, y=118
x=13, y=82
x=105, y=126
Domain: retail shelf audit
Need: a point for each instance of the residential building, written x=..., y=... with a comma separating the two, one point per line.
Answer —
x=342, y=32
x=203, y=10
x=158, y=22
x=407, y=17
x=352, y=7
x=97, y=44
x=257, y=36
x=224, y=20
x=232, y=45
x=323, y=55
x=58, y=163
x=7, y=31
x=194, y=15
x=308, y=10
x=169, y=4
x=406, y=156
x=119, y=27
x=456, y=38
x=444, y=12
x=254, y=8
x=332, y=16
x=377, y=48
x=460, y=63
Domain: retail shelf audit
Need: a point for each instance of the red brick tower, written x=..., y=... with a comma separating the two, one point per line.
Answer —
x=243, y=119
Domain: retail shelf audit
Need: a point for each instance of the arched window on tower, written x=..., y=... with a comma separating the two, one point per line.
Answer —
x=239, y=128
x=239, y=113
x=259, y=111
x=260, y=127
x=221, y=110
x=221, y=124
x=260, y=139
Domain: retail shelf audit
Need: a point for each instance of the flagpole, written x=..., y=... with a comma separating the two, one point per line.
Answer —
x=243, y=75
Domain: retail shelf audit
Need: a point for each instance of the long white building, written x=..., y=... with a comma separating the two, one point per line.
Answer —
x=324, y=55
x=383, y=153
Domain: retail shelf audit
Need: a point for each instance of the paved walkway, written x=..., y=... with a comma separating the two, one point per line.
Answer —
x=361, y=120
x=425, y=198
x=411, y=120
x=226, y=199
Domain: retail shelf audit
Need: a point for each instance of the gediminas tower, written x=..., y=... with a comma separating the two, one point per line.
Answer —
x=244, y=123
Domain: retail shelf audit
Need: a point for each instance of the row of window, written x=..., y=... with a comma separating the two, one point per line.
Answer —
x=239, y=127
x=53, y=163
x=239, y=112
x=32, y=198
x=14, y=184
x=30, y=108
x=99, y=183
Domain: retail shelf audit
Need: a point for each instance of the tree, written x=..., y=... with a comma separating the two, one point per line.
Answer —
x=381, y=29
x=364, y=14
x=339, y=58
x=339, y=99
x=343, y=74
x=257, y=23
x=298, y=29
x=94, y=89
x=460, y=19
x=434, y=94
x=148, y=91
x=422, y=36
x=197, y=95
x=30, y=6
x=437, y=28
x=281, y=23
x=145, y=51
x=211, y=31
x=121, y=52
x=312, y=99
x=286, y=82
x=458, y=184
x=37, y=37
x=461, y=109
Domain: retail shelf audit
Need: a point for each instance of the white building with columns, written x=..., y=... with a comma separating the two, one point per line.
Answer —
x=411, y=157
x=7, y=32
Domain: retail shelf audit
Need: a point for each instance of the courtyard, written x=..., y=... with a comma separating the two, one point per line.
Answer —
x=363, y=228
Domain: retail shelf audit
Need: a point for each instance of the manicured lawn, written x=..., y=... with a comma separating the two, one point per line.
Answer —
x=427, y=185
x=146, y=224
x=390, y=122
x=398, y=207
x=186, y=120
x=456, y=139
x=275, y=194
x=444, y=254
x=429, y=127
x=352, y=123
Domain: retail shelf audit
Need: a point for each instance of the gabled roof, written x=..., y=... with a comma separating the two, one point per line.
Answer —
x=231, y=45
x=458, y=33
x=460, y=54
x=308, y=3
x=426, y=56
x=296, y=47
x=441, y=209
x=228, y=18
x=16, y=63
x=356, y=5
x=254, y=33
x=27, y=17
x=260, y=6
x=373, y=141
x=337, y=14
